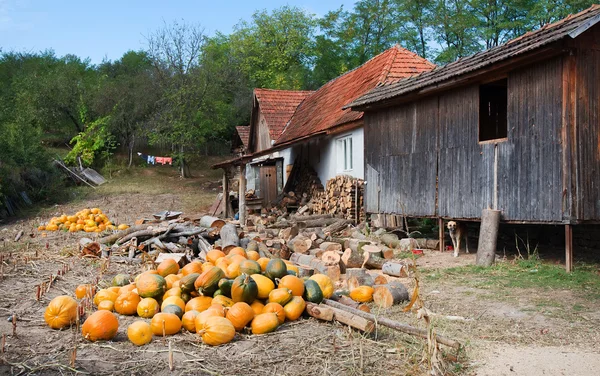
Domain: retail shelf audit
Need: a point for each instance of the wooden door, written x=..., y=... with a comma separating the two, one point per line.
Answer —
x=268, y=183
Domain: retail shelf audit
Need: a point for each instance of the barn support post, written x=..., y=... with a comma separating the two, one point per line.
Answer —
x=242, y=195
x=569, y=248
x=226, y=202
x=442, y=234
x=488, y=237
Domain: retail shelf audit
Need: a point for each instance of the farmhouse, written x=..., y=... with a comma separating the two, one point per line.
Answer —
x=292, y=128
x=514, y=128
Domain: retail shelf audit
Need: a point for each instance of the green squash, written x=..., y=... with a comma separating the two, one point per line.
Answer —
x=312, y=292
x=225, y=286
x=250, y=267
x=276, y=268
x=120, y=280
x=187, y=283
x=244, y=289
x=174, y=308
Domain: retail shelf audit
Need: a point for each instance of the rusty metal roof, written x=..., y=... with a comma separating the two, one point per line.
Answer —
x=571, y=26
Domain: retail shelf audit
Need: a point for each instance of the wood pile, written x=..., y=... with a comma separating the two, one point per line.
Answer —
x=343, y=197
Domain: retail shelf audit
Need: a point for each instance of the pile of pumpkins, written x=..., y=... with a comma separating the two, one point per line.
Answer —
x=215, y=299
x=88, y=220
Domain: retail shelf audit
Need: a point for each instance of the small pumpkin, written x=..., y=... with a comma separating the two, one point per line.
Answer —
x=126, y=304
x=291, y=267
x=114, y=289
x=173, y=300
x=172, y=324
x=173, y=308
x=257, y=306
x=263, y=262
x=120, y=280
x=106, y=305
x=249, y=267
x=362, y=294
x=168, y=266
x=199, y=304
x=201, y=318
x=324, y=283
x=237, y=251
x=281, y=296
x=312, y=292
x=208, y=282
x=233, y=270
x=147, y=308
x=191, y=268
x=240, y=314
x=265, y=285
x=225, y=286
x=244, y=289
x=175, y=291
x=264, y=323
x=83, y=290
x=151, y=286
x=252, y=255
x=295, y=284
x=207, y=265
x=276, y=268
x=188, y=321
x=293, y=310
x=139, y=333
x=170, y=279
x=217, y=331
x=187, y=283
x=223, y=301
x=100, y=325
x=277, y=309
x=213, y=255
x=105, y=294
x=127, y=288
x=61, y=312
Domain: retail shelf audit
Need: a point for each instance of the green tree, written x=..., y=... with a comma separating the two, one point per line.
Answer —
x=414, y=25
x=455, y=26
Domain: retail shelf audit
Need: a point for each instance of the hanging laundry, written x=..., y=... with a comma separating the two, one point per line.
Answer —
x=151, y=159
x=168, y=160
x=160, y=160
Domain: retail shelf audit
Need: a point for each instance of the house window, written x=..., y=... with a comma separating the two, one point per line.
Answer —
x=493, y=103
x=344, y=154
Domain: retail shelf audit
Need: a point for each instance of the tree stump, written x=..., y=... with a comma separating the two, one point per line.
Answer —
x=387, y=295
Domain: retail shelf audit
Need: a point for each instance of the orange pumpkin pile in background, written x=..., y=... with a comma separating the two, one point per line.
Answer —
x=88, y=220
x=226, y=294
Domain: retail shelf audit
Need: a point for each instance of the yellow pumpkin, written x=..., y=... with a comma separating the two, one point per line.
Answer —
x=169, y=321
x=201, y=318
x=188, y=321
x=263, y=262
x=264, y=323
x=147, y=308
x=100, y=325
x=199, y=304
x=252, y=255
x=362, y=294
x=61, y=312
x=324, y=283
x=295, y=284
x=126, y=304
x=105, y=294
x=213, y=255
x=257, y=307
x=170, y=279
x=139, y=333
x=207, y=265
x=106, y=305
x=233, y=270
x=292, y=267
x=192, y=267
x=127, y=288
x=293, y=310
x=277, y=309
x=217, y=331
x=223, y=301
x=281, y=296
x=265, y=285
x=167, y=267
x=240, y=314
x=173, y=300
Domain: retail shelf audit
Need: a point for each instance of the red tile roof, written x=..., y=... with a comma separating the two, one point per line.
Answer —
x=244, y=133
x=323, y=110
x=278, y=106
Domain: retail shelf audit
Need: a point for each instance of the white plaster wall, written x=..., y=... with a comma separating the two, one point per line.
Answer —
x=288, y=156
x=323, y=156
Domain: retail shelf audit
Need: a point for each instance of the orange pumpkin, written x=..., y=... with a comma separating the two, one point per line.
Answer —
x=139, y=333
x=126, y=304
x=189, y=321
x=173, y=300
x=207, y=265
x=200, y=320
x=264, y=323
x=236, y=258
x=295, y=284
x=294, y=308
x=252, y=255
x=114, y=289
x=263, y=262
x=277, y=309
x=147, y=308
x=199, y=304
x=223, y=301
x=324, y=283
x=233, y=270
x=170, y=279
x=105, y=294
x=213, y=255
x=168, y=266
x=257, y=307
x=106, y=305
x=61, y=312
x=169, y=321
x=217, y=331
x=175, y=291
x=82, y=290
x=100, y=325
x=237, y=251
x=192, y=267
x=240, y=314
x=281, y=296
x=151, y=285
x=362, y=294
x=127, y=288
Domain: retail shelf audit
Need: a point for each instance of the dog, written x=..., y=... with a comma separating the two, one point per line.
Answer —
x=458, y=233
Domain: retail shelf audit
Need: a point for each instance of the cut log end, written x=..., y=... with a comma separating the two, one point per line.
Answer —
x=385, y=296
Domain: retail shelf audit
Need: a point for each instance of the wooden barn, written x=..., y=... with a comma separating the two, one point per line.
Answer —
x=513, y=128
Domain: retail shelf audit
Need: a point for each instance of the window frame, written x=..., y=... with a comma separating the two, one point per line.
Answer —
x=344, y=154
x=491, y=140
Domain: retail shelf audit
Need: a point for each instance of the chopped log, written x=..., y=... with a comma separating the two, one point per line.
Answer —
x=391, y=240
x=362, y=277
x=330, y=258
x=317, y=252
x=331, y=247
x=332, y=271
x=395, y=269
x=317, y=222
x=394, y=324
x=321, y=312
x=300, y=259
x=19, y=234
x=373, y=261
x=305, y=271
x=352, y=259
x=114, y=237
x=263, y=251
x=388, y=295
x=288, y=233
x=303, y=209
x=387, y=253
x=428, y=243
x=372, y=249
x=229, y=237
x=337, y=226
x=351, y=303
x=252, y=246
x=314, y=234
x=300, y=218
x=380, y=280
x=355, y=244
x=208, y=222
x=300, y=244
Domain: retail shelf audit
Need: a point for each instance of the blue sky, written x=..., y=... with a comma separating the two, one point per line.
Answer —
x=108, y=28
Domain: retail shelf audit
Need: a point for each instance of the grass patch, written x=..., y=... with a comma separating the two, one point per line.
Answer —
x=524, y=274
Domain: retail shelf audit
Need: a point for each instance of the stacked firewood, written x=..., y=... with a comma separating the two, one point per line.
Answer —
x=343, y=197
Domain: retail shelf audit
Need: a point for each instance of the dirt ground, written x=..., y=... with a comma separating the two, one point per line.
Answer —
x=524, y=331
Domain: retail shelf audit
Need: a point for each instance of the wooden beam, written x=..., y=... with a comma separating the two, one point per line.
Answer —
x=242, y=195
x=569, y=248
x=226, y=212
x=442, y=234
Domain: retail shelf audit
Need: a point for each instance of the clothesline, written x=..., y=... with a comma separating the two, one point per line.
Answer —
x=151, y=159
